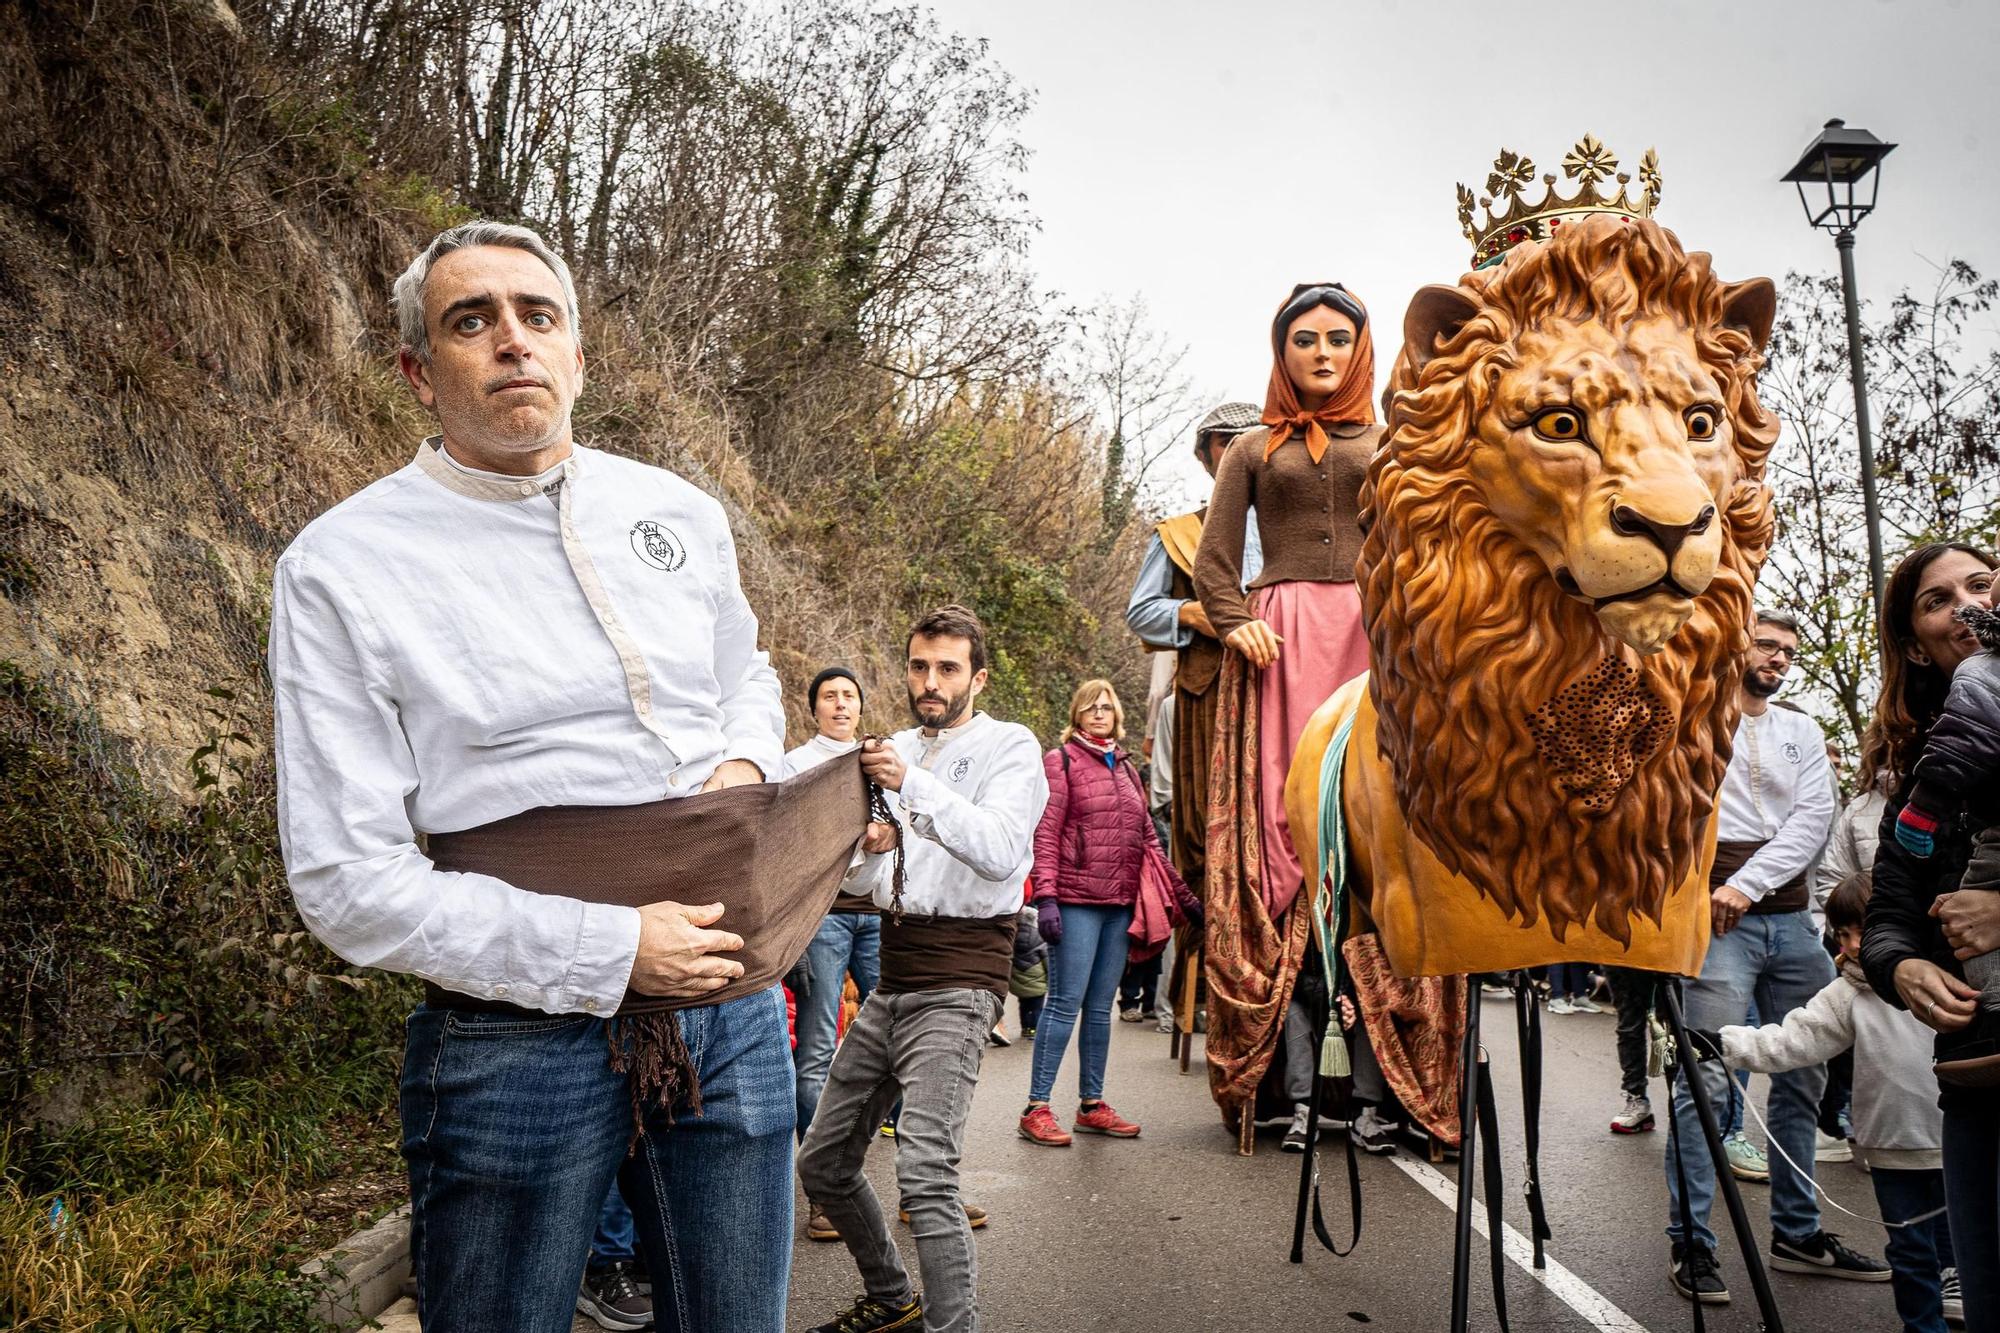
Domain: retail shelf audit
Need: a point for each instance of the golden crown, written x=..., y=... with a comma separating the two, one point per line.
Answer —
x=1516, y=220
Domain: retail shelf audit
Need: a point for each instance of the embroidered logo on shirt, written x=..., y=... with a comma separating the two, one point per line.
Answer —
x=656, y=544
x=959, y=768
x=1791, y=752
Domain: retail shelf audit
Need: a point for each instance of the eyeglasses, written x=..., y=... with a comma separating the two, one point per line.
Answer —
x=1772, y=648
x=1099, y=708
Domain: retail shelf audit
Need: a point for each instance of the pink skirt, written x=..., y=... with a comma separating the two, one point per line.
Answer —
x=1324, y=648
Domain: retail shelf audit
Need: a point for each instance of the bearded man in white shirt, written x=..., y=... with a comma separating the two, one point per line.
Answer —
x=970, y=791
x=1772, y=816
x=512, y=625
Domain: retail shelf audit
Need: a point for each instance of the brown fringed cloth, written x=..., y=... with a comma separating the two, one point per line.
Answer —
x=1250, y=961
x=773, y=854
x=1416, y=1026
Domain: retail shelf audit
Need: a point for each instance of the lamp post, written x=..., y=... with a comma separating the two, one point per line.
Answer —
x=1848, y=163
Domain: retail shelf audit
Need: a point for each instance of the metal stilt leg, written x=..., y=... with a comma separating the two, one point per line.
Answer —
x=1468, y=1100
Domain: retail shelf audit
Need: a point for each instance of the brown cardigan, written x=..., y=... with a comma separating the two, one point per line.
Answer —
x=1307, y=514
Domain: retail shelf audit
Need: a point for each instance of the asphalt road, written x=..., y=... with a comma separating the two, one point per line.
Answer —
x=1174, y=1232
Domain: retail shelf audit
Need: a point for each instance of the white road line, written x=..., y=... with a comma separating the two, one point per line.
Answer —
x=1572, y=1290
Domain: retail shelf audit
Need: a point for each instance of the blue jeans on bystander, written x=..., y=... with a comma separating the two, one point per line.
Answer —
x=845, y=942
x=616, y=1242
x=1776, y=960
x=514, y=1128
x=1915, y=1253
x=1084, y=969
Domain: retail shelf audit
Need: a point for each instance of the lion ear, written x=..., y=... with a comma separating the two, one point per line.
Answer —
x=1751, y=305
x=1436, y=314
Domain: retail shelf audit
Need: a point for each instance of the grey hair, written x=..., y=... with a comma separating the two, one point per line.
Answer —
x=1780, y=619
x=408, y=293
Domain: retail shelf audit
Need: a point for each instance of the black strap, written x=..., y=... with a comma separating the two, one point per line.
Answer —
x=1489, y=1153
x=1680, y=1173
x=1528, y=1021
x=1309, y=1186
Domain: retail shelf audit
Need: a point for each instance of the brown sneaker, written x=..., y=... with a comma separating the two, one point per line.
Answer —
x=1040, y=1125
x=817, y=1225
x=975, y=1216
x=1101, y=1119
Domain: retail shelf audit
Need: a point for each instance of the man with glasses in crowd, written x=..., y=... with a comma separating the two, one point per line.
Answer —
x=1772, y=817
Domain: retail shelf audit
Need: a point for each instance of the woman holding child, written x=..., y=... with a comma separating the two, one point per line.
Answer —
x=1923, y=923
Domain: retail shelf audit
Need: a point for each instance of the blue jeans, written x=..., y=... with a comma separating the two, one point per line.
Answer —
x=845, y=942
x=1570, y=981
x=514, y=1128
x=1972, y=1188
x=1084, y=969
x=1777, y=961
x=1915, y=1254
x=615, y=1242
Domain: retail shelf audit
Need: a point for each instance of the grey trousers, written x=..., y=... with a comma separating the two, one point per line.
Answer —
x=926, y=1047
x=1302, y=1058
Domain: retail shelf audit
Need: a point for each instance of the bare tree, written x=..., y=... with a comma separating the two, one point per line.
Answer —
x=1939, y=404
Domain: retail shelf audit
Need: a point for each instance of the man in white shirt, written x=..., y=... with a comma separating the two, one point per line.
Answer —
x=509, y=623
x=1772, y=817
x=970, y=791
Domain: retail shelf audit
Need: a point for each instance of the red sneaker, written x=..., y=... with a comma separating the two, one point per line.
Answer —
x=1040, y=1125
x=1101, y=1119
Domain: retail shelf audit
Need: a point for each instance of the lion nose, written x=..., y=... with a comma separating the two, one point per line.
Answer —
x=1667, y=536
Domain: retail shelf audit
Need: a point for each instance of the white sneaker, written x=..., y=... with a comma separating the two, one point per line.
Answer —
x=1954, y=1299
x=1372, y=1133
x=1583, y=1004
x=1636, y=1118
x=1561, y=1005
x=1826, y=1148
x=1295, y=1133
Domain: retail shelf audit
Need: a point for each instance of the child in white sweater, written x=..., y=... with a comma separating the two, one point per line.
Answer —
x=1898, y=1129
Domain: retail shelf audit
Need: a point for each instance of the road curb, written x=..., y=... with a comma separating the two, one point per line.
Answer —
x=365, y=1272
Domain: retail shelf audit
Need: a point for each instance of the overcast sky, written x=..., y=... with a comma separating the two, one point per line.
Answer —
x=1209, y=155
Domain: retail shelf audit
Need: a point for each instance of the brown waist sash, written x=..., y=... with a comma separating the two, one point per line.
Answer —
x=773, y=854
x=1732, y=855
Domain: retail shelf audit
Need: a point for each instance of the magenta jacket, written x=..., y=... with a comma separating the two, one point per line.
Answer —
x=1093, y=834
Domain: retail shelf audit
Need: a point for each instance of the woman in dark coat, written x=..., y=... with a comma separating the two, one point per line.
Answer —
x=1090, y=851
x=1919, y=927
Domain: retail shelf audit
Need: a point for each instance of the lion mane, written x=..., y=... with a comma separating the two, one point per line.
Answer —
x=1484, y=669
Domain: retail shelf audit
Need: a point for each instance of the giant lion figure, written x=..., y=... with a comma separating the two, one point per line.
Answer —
x=1563, y=528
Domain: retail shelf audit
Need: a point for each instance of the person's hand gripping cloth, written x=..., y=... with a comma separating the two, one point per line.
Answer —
x=772, y=853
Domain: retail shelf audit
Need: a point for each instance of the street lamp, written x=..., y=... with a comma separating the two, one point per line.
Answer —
x=1848, y=163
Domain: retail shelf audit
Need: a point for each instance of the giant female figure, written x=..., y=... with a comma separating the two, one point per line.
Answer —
x=1293, y=637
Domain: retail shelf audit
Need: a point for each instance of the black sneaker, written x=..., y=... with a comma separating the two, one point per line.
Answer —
x=1822, y=1255
x=1695, y=1274
x=612, y=1299
x=868, y=1315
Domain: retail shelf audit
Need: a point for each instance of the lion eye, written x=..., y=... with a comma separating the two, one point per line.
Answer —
x=1559, y=424
x=1702, y=423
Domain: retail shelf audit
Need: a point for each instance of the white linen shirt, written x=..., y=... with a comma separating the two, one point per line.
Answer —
x=817, y=751
x=972, y=797
x=451, y=647
x=1778, y=791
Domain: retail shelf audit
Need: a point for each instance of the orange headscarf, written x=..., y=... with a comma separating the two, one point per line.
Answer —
x=1353, y=402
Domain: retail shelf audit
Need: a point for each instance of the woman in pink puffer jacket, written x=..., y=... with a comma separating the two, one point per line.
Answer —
x=1089, y=852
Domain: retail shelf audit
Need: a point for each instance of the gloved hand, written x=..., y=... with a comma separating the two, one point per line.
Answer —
x=1191, y=909
x=1705, y=1043
x=1916, y=830
x=1048, y=920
